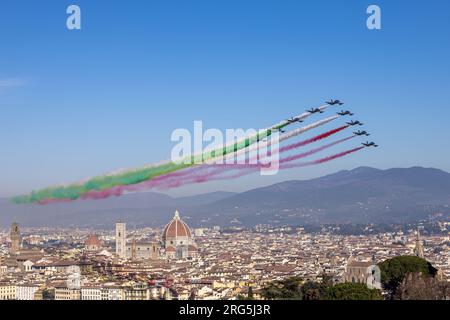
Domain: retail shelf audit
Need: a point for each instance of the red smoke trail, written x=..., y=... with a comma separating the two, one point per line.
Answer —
x=217, y=174
x=313, y=139
x=119, y=190
x=177, y=179
x=51, y=201
x=286, y=159
x=246, y=171
x=189, y=175
x=323, y=160
x=218, y=169
x=293, y=146
x=313, y=151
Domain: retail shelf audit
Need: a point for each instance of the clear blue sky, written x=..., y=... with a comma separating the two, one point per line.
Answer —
x=79, y=103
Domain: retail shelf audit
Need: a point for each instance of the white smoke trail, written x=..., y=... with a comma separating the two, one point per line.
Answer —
x=285, y=136
x=301, y=116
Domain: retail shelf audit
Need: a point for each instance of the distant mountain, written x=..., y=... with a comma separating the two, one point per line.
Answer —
x=360, y=195
x=356, y=196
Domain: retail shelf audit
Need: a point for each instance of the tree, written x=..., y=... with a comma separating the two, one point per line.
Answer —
x=352, y=291
x=292, y=288
x=287, y=289
x=393, y=271
x=48, y=294
x=314, y=290
x=415, y=286
x=250, y=293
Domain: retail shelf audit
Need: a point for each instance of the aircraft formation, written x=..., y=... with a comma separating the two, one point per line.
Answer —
x=333, y=102
x=168, y=174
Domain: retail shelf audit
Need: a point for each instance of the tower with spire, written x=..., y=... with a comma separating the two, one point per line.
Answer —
x=15, y=238
x=418, y=249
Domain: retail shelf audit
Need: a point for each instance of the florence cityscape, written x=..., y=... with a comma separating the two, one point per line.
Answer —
x=236, y=158
x=177, y=262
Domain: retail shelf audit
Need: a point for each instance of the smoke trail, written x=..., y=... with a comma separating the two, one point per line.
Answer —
x=217, y=170
x=137, y=175
x=119, y=179
x=177, y=178
x=313, y=139
x=283, y=137
x=207, y=173
x=323, y=160
x=218, y=175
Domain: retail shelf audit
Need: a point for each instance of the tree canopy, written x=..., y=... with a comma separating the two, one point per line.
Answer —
x=393, y=270
x=352, y=291
x=294, y=288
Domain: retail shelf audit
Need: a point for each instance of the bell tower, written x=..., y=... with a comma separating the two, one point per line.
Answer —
x=121, y=239
x=418, y=250
x=15, y=238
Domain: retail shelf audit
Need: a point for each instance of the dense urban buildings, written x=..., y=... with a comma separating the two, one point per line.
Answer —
x=175, y=262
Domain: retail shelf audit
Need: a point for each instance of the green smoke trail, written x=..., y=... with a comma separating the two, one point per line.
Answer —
x=134, y=176
x=99, y=183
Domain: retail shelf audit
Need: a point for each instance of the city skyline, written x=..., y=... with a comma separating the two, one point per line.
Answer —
x=77, y=264
x=234, y=158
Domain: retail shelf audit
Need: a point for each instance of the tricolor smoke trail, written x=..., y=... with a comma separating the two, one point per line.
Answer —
x=208, y=172
x=135, y=176
x=219, y=175
x=283, y=137
x=323, y=160
x=220, y=169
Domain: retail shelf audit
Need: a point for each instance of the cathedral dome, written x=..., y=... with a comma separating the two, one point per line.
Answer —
x=92, y=242
x=176, y=229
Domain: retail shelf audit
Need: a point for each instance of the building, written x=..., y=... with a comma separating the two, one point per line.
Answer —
x=26, y=291
x=7, y=291
x=102, y=293
x=362, y=272
x=177, y=239
x=418, y=249
x=20, y=255
x=121, y=239
x=15, y=238
x=112, y=293
x=91, y=293
x=138, y=291
x=93, y=243
x=27, y=266
x=142, y=250
x=63, y=292
x=134, y=249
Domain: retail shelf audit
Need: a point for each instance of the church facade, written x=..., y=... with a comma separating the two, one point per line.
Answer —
x=176, y=243
x=177, y=239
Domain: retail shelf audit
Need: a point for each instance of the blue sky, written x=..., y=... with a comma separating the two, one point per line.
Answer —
x=79, y=103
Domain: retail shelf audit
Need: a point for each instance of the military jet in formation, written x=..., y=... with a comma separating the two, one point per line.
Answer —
x=354, y=123
x=345, y=113
x=369, y=144
x=294, y=119
x=361, y=133
x=333, y=102
x=314, y=110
